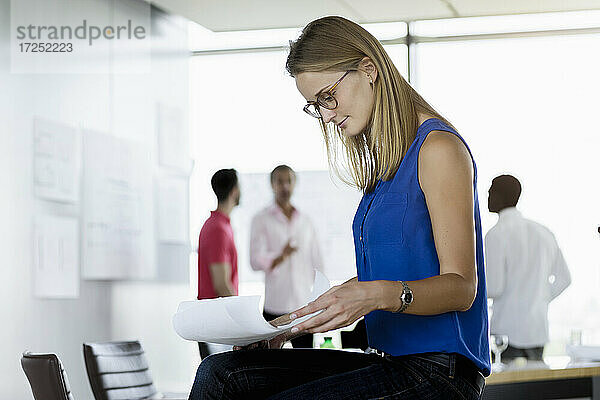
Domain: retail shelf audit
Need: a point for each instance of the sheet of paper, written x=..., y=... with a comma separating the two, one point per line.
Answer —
x=57, y=161
x=172, y=193
x=118, y=219
x=56, y=257
x=235, y=320
x=214, y=321
x=173, y=138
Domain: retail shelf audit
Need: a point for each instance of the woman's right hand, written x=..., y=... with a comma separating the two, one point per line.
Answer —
x=276, y=343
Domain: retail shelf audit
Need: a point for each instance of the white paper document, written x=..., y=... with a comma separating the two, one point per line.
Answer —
x=235, y=320
x=56, y=257
x=57, y=161
x=173, y=138
x=118, y=219
x=172, y=196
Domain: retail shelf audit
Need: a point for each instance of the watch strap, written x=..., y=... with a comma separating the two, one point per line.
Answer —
x=405, y=290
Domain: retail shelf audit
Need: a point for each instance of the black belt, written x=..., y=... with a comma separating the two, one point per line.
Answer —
x=463, y=367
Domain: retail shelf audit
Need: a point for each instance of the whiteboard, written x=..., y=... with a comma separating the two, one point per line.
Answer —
x=329, y=206
x=118, y=223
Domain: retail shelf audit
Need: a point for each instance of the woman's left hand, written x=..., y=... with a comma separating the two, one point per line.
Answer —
x=341, y=305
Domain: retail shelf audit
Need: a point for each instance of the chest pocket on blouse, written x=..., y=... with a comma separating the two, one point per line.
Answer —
x=385, y=221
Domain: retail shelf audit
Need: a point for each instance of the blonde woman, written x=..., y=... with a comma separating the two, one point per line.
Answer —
x=420, y=280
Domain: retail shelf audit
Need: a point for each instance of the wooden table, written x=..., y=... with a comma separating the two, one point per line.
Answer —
x=533, y=384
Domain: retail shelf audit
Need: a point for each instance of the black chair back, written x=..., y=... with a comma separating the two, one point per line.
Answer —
x=46, y=376
x=118, y=371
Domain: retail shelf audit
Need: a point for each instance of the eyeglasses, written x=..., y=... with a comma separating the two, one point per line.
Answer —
x=325, y=99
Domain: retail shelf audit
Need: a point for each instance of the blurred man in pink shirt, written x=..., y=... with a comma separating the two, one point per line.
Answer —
x=284, y=245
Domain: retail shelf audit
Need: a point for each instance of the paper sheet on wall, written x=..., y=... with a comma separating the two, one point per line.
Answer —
x=235, y=320
x=118, y=220
x=172, y=193
x=57, y=161
x=173, y=138
x=56, y=257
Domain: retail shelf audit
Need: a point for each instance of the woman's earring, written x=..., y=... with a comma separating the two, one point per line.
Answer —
x=370, y=80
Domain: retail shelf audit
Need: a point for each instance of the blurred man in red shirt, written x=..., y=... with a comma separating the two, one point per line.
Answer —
x=217, y=255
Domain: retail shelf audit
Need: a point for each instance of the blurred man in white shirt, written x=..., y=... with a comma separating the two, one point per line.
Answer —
x=284, y=245
x=525, y=271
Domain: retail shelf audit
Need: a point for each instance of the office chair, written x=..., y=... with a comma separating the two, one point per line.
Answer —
x=119, y=371
x=46, y=376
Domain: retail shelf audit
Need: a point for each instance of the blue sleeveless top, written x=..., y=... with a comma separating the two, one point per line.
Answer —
x=393, y=240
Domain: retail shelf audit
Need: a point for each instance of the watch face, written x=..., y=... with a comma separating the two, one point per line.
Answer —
x=408, y=297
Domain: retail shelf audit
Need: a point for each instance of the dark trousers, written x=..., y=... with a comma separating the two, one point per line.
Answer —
x=530, y=353
x=332, y=374
x=302, y=342
x=204, y=351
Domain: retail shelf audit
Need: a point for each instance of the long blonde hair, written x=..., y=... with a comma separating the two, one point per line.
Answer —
x=337, y=44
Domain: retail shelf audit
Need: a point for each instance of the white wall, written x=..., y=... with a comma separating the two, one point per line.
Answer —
x=123, y=105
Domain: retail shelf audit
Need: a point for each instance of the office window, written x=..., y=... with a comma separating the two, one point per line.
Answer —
x=399, y=55
x=527, y=106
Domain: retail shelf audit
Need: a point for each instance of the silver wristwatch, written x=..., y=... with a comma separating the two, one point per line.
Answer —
x=406, y=297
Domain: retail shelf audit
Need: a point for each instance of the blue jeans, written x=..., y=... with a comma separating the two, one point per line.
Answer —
x=326, y=374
